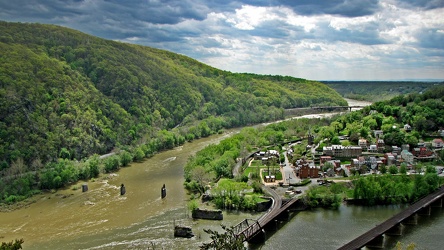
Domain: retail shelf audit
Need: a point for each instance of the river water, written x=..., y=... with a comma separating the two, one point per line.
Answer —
x=103, y=219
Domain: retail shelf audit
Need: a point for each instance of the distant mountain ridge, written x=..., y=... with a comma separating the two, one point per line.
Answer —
x=379, y=90
x=66, y=94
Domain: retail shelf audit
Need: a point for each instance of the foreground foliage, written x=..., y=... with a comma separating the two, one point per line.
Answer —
x=13, y=245
x=226, y=240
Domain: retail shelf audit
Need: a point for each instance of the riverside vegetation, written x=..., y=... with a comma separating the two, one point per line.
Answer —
x=67, y=97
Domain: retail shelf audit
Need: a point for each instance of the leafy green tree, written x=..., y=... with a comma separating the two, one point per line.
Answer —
x=125, y=158
x=383, y=169
x=393, y=169
x=225, y=240
x=335, y=140
x=13, y=245
x=111, y=163
x=202, y=178
x=403, y=168
x=93, y=164
x=139, y=155
x=64, y=154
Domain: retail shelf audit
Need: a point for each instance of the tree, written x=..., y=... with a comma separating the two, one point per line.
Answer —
x=225, y=240
x=13, y=245
x=393, y=169
x=125, y=158
x=403, y=168
x=139, y=154
x=335, y=140
x=383, y=169
x=93, y=164
x=202, y=177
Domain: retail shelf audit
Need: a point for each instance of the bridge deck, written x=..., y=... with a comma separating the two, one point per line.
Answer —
x=380, y=229
x=276, y=209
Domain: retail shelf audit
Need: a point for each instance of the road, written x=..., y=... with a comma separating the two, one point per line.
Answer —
x=287, y=172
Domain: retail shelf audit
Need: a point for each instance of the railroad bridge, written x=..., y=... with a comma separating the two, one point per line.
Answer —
x=336, y=107
x=393, y=226
x=254, y=230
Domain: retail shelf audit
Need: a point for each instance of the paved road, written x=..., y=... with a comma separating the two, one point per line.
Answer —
x=288, y=174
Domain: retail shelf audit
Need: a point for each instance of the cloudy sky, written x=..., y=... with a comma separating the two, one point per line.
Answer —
x=312, y=39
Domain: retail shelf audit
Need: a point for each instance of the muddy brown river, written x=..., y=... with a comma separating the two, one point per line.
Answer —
x=103, y=219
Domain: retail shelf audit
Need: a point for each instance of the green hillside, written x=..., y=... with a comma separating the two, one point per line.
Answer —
x=375, y=91
x=65, y=94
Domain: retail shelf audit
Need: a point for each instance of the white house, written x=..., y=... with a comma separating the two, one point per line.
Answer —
x=437, y=143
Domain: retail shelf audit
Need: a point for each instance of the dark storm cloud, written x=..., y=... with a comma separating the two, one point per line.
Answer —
x=367, y=34
x=348, y=8
x=158, y=12
x=431, y=38
x=424, y=4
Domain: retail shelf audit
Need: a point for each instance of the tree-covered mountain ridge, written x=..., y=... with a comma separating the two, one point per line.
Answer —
x=66, y=94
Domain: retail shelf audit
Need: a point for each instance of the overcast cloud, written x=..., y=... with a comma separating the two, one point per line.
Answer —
x=312, y=39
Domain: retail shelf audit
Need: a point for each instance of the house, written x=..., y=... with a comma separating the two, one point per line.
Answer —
x=349, y=151
x=437, y=143
x=259, y=155
x=305, y=169
x=328, y=150
x=407, y=156
x=270, y=178
x=389, y=159
x=407, y=128
x=422, y=152
x=273, y=153
x=373, y=162
x=330, y=172
x=441, y=132
x=378, y=133
x=396, y=149
x=359, y=164
x=324, y=159
x=362, y=143
x=373, y=148
x=380, y=145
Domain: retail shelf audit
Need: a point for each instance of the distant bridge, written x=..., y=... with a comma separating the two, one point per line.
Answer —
x=322, y=108
x=337, y=107
x=392, y=226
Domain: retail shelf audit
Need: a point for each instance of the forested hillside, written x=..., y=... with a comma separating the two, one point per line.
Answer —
x=65, y=94
x=379, y=90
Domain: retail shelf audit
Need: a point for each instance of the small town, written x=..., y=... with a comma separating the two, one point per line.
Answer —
x=368, y=157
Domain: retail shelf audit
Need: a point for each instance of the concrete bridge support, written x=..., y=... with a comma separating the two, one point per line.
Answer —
x=377, y=242
x=272, y=226
x=284, y=216
x=395, y=231
x=411, y=220
x=425, y=210
x=437, y=203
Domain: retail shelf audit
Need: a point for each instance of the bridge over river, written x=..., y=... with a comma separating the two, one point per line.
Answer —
x=253, y=230
x=392, y=226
